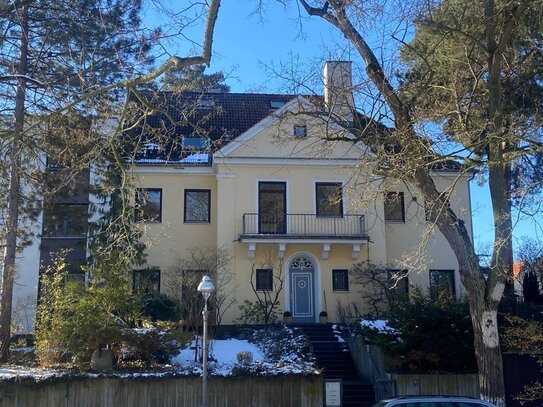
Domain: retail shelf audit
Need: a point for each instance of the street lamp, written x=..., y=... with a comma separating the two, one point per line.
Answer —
x=205, y=287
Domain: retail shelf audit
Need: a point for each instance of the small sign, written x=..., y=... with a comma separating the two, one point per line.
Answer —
x=332, y=393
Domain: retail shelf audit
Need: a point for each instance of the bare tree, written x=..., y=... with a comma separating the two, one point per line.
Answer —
x=185, y=276
x=408, y=155
x=267, y=281
x=382, y=288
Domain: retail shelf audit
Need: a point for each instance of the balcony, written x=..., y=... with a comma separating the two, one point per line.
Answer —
x=286, y=229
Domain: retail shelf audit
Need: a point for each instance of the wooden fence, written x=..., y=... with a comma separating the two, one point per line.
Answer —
x=164, y=392
x=439, y=384
x=373, y=366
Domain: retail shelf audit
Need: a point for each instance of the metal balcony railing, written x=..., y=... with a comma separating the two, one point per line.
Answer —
x=303, y=225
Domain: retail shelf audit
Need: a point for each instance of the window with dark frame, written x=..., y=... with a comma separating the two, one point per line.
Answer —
x=65, y=220
x=146, y=281
x=398, y=282
x=329, y=198
x=394, y=207
x=149, y=205
x=441, y=282
x=197, y=206
x=264, y=280
x=300, y=131
x=340, y=280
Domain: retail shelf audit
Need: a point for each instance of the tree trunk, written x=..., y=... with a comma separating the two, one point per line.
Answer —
x=8, y=270
x=488, y=354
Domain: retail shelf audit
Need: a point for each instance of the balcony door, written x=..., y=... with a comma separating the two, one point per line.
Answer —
x=272, y=207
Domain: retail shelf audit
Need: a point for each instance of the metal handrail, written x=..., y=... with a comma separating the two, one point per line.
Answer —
x=303, y=224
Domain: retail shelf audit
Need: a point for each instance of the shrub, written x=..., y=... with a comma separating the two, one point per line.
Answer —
x=258, y=313
x=151, y=345
x=72, y=322
x=428, y=335
x=245, y=358
x=160, y=307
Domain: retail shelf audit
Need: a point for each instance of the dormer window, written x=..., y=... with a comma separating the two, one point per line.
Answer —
x=300, y=131
x=205, y=103
x=195, y=143
x=150, y=148
x=276, y=104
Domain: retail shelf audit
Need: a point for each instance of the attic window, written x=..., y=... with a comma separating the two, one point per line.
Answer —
x=151, y=148
x=195, y=143
x=205, y=103
x=276, y=104
x=300, y=131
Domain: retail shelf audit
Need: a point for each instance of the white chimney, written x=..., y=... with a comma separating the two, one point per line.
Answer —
x=338, y=89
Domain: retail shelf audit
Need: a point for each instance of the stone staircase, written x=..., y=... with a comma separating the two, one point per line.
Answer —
x=334, y=357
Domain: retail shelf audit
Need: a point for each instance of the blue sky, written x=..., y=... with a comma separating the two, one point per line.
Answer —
x=246, y=45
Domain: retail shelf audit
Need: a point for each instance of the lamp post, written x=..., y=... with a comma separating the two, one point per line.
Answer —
x=205, y=287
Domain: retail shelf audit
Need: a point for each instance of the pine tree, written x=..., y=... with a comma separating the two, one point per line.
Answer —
x=53, y=55
x=194, y=79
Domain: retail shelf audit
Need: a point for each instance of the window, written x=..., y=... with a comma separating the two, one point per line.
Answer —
x=398, y=283
x=441, y=281
x=65, y=220
x=300, y=131
x=340, y=280
x=146, y=281
x=53, y=164
x=394, y=207
x=195, y=143
x=149, y=205
x=329, y=199
x=276, y=104
x=205, y=103
x=76, y=278
x=264, y=279
x=197, y=205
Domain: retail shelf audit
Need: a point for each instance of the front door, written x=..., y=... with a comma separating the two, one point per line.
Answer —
x=272, y=207
x=302, y=292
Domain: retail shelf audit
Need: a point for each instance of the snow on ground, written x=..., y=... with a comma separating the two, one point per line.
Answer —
x=222, y=352
x=35, y=373
x=380, y=325
x=223, y=361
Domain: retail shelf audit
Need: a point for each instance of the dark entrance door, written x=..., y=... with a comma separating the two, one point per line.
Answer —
x=302, y=290
x=272, y=207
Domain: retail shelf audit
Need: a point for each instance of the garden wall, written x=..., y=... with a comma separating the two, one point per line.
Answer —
x=164, y=392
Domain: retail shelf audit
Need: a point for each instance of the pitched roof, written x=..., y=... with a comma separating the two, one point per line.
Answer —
x=214, y=115
x=218, y=117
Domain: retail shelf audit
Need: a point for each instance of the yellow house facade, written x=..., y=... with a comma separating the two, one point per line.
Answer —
x=295, y=213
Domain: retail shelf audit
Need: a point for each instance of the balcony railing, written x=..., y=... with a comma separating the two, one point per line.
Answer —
x=304, y=225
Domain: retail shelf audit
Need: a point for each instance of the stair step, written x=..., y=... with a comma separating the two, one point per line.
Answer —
x=333, y=356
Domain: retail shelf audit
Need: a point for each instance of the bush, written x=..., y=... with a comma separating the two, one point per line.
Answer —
x=73, y=322
x=160, y=307
x=258, y=312
x=245, y=358
x=428, y=335
x=151, y=345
